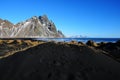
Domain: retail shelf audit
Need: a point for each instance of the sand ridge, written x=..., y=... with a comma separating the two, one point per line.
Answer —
x=60, y=61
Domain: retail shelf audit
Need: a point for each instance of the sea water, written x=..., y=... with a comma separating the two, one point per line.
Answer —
x=84, y=40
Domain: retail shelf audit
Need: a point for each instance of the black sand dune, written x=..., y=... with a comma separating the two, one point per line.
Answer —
x=59, y=61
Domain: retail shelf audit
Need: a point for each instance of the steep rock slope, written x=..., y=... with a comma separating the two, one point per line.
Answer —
x=5, y=28
x=35, y=27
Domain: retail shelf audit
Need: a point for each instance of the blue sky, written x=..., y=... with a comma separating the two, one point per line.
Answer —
x=92, y=18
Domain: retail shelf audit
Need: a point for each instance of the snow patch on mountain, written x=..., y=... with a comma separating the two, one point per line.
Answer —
x=36, y=27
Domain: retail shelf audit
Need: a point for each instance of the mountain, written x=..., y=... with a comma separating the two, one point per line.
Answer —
x=35, y=27
x=78, y=36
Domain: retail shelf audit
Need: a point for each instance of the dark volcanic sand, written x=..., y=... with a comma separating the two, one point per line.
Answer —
x=59, y=61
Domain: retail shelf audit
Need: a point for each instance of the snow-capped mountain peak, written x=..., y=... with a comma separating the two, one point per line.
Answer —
x=35, y=27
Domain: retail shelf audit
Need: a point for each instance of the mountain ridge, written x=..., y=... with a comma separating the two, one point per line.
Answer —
x=35, y=27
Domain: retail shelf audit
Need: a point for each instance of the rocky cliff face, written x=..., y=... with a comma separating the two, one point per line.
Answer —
x=35, y=27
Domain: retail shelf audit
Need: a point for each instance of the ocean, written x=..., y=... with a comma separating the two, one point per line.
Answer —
x=84, y=40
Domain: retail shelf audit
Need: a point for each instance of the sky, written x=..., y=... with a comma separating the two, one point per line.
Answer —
x=91, y=18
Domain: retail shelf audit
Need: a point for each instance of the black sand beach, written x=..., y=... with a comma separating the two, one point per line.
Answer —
x=39, y=60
